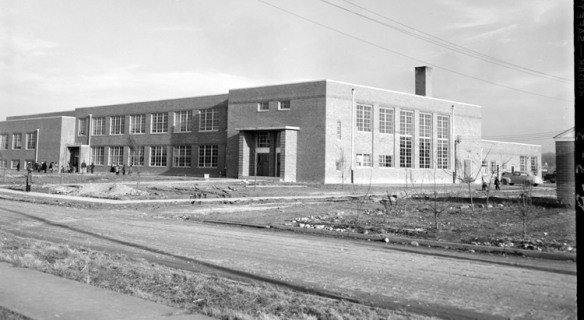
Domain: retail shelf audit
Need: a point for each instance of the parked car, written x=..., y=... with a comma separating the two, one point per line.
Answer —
x=520, y=177
x=551, y=177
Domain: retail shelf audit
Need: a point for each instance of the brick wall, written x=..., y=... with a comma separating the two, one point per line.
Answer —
x=565, y=174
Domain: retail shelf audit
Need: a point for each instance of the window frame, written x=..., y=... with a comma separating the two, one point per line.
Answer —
x=182, y=156
x=363, y=117
x=159, y=123
x=82, y=126
x=17, y=141
x=425, y=140
x=442, y=142
x=142, y=124
x=98, y=160
x=136, y=153
x=4, y=143
x=282, y=104
x=383, y=161
x=118, y=152
x=208, y=120
x=162, y=155
x=386, y=120
x=263, y=106
x=30, y=140
x=117, y=125
x=182, y=125
x=364, y=162
x=98, y=126
x=208, y=158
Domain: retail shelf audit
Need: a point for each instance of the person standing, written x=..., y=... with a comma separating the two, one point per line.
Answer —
x=91, y=167
x=497, y=183
x=83, y=167
x=44, y=166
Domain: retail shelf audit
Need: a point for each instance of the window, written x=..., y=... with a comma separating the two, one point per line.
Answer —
x=443, y=141
x=159, y=123
x=385, y=120
x=363, y=160
x=97, y=156
x=137, y=156
x=116, y=155
x=424, y=141
x=406, y=130
x=208, y=120
x=522, y=163
x=137, y=123
x=339, y=127
x=182, y=121
x=17, y=141
x=208, y=155
x=182, y=156
x=363, y=118
x=3, y=141
x=30, y=140
x=14, y=164
x=158, y=156
x=405, y=152
x=493, y=167
x=263, y=106
x=534, y=165
x=263, y=140
x=98, y=126
x=82, y=127
x=3, y=164
x=284, y=105
x=117, y=124
x=384, y=161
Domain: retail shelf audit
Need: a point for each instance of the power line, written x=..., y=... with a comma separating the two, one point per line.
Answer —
x=444, y=43
x=406, y=56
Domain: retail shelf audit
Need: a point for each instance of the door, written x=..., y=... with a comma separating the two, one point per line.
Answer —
x=263, y=164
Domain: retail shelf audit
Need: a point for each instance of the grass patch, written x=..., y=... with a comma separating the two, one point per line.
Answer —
x=214, y=296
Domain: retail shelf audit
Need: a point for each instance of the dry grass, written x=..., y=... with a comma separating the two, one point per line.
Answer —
x=211, y=295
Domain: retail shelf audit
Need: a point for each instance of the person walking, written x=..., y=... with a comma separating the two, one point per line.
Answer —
x=497, y=183
x=51, y=167
x=91, y=167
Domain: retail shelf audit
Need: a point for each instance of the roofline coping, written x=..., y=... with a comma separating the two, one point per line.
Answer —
x=524, y=144
x=268, y=128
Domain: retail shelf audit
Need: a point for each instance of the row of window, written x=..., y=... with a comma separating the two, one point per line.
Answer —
x=208, y=121
x=181, y=156
x=29, y=144
x=281, y=105
x=523, y=160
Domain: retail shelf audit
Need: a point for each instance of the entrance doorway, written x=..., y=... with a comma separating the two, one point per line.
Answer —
x=73, y=159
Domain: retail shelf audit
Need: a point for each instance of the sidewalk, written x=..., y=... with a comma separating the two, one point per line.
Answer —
x=39, y=295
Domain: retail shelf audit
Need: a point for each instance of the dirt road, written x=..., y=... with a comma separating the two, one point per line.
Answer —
x=451, y=287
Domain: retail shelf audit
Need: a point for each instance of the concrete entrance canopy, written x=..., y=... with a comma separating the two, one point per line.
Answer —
x=268, y=151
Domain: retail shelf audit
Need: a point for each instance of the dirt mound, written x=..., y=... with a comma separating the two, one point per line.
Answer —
x=108, y=191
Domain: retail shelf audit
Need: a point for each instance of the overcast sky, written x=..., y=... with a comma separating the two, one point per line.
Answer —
x=60, y=55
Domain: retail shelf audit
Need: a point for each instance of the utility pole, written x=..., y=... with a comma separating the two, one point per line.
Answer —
x=352, y=134
x=456, y=142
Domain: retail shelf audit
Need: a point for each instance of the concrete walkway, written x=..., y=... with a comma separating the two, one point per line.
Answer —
x=40, y=295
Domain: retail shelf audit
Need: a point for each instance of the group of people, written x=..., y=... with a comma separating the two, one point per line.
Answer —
x=117, y=169
x=38, y=166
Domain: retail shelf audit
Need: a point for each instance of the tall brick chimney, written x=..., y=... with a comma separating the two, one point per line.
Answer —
x=424, y=81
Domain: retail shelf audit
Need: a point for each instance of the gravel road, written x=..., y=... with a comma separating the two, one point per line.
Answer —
x=442, y=286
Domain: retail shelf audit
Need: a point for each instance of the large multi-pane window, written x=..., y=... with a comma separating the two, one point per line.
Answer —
x=424, y=141
x=137, y=123
x=117, y=124
x=17, y=141
x=385, y=120
x=182, y=121
x=116, y=155
x=158, y=156
x=208, y=156
x=182, y=156
x=406, y=130
x=97, y=155
x=98, y=126
x=522, y=163
x=363, y=160
x=31, y=140
x=443, y=141
x=208, y=120
x=159, y=123
x=3, y=141
x=137, y=156
x=363, y=118
x=82, y=127
x=384, y=161
x=534, y=165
